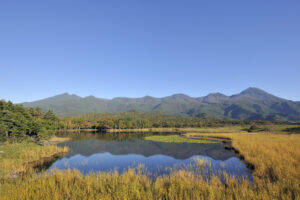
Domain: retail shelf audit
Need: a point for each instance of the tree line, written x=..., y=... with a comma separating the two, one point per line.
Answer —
x=137, y=120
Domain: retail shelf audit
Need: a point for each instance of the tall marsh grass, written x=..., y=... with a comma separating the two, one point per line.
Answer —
x=179, y=185
x=276, y=159
x=17, y=157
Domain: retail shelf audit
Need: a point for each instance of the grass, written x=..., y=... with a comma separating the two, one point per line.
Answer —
x=16, y=157
x=144, y=130
x=55, y=140
x=276, y=158
x=175, y=139
x=274, y=129
x=130, y=185
x=225, y=129
x=135, y=185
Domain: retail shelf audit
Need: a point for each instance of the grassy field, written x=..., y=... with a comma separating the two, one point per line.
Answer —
x=16, y=158
x=175, y=139
x=276, y=160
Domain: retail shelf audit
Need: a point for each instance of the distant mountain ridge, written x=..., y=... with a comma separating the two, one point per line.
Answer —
x=250, y=104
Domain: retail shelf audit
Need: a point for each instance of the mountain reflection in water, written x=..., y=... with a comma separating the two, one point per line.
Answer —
x=95, y=152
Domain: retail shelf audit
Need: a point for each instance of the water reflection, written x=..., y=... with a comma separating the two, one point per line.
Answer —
x=94, y=152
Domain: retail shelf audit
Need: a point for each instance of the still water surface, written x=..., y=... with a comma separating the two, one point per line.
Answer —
x=104, y=152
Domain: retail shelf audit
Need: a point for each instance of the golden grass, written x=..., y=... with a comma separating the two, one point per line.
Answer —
x=225, y=129
x=131, y=185
x=276, y=158
x=175, y=139
x=144, y=130
x=55, y=140
x=16, y=156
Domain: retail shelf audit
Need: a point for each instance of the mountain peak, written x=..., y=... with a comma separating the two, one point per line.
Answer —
x=66, y=94
x=90, y=97
x=217, y=94
x=253, y=90
x=255, y=94
x=215, y=98
x=147, y=97
x=64, y=97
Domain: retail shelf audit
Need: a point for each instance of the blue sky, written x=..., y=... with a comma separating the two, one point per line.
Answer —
x=158, y=48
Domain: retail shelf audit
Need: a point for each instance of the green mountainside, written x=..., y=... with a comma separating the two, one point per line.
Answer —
x=250, y=104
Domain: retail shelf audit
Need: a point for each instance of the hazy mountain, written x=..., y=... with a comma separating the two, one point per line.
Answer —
x=252, y=103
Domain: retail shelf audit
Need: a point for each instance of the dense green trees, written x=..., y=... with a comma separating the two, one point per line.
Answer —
x=129, y=120
x=17, y=122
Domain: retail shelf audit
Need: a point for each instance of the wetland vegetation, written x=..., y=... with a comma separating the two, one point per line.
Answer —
x=18, y=158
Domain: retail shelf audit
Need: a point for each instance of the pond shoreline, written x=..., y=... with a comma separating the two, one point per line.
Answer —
x=23, y=158
x=36, y=165
x=227, y=145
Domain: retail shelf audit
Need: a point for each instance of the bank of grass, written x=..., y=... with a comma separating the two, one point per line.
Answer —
x=143, y=130
x=276, y=158
x=56, y=140
x=176, y=139
x=130, y=185
x=17, y=158
x=225, y=129
x=134, y=185
x=274, y=129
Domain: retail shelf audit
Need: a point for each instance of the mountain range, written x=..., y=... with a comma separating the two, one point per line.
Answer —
x=250, y=104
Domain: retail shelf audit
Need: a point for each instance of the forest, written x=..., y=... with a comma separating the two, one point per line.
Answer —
x=19, y=123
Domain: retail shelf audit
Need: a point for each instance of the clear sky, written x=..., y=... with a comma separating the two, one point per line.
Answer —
x=133, y=48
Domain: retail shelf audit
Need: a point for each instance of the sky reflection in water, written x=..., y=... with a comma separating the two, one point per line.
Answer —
x=98, y=152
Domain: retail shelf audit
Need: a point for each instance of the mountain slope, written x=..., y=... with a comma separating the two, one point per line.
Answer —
x=250, y=104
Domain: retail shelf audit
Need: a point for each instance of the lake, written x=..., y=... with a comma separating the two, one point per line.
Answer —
x=105, y=152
